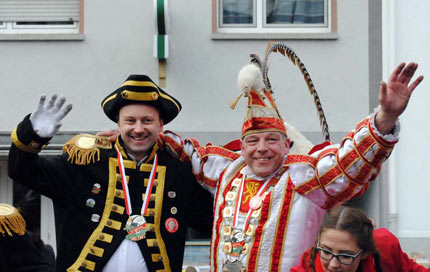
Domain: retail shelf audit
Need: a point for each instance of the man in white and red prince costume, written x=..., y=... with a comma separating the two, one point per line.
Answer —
x=269, y=203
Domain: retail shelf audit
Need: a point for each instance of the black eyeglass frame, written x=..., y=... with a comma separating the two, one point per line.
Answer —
x=318, y=248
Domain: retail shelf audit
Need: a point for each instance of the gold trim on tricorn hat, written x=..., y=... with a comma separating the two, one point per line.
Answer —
x=142, y=90
x=11, y=220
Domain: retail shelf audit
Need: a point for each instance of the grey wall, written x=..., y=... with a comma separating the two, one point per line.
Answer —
x=201, y=72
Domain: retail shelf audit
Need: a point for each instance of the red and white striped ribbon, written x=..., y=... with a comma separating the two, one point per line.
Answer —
x=125, y=185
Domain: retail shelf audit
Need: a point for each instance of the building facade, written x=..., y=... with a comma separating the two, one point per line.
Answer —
x=348, y=47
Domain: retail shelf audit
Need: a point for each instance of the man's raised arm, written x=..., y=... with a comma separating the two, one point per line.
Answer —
x=394, y=96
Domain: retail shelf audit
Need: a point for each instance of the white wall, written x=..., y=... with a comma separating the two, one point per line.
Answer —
x=412, y=41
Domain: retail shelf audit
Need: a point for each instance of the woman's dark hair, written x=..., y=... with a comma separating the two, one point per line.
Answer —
x=355, y=222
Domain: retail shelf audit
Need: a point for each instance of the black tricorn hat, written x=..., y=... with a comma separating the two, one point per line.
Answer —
x=142, y=90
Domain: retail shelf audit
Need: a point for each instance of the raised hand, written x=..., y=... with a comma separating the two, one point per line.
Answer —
x=394, y=95
x=46, y=119
x=112, y=134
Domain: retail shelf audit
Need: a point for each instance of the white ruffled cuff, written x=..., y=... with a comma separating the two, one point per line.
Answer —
x=391, y=137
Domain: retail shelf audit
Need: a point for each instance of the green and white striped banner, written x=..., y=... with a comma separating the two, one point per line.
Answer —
x=161, y=39
x=161, y=46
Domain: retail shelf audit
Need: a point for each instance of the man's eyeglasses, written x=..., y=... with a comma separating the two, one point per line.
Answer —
x=342, y=258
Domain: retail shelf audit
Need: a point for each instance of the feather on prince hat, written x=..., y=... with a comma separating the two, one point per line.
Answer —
x=142, y=90
x=262, y=112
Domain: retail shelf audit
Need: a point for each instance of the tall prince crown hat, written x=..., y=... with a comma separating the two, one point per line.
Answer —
x=262, y=113
x=142, y=90
x=253, y=81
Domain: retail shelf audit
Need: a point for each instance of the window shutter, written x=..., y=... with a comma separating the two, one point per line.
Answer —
x=39, y=10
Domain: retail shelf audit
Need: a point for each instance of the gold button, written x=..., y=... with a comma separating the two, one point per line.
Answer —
x=124, y=94
x=109, y=222
x=118, y=177
x=155, y=183
x=152, y=213
x=152, y=198
x=117, y=193
x=92, y=250
x=114, y=207
x=160, y=258
x=101, y=237
x=83, y=264
x=156, y=243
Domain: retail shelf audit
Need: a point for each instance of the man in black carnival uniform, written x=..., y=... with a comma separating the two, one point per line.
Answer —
x=122, y=206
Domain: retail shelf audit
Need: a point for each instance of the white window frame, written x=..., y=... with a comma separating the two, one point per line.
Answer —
x=260, y=30
x=35, y=28
x=44, y=30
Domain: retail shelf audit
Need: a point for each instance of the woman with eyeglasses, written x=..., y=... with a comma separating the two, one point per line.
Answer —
x=347, y=242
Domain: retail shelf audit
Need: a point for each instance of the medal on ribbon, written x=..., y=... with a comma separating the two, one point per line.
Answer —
x=237, y=242
x=136, y=226
x=255, y=202
x=236, y=239
x=235, y=266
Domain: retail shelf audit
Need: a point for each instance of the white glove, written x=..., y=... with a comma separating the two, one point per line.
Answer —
x=46, y=119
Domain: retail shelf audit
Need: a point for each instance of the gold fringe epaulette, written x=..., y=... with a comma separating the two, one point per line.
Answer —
x=11, y=221
x=84, y=149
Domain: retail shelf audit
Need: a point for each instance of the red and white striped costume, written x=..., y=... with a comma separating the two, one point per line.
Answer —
x=308, y=185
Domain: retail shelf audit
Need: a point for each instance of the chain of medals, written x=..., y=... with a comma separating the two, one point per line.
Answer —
x=237, y=240
x=136, y=226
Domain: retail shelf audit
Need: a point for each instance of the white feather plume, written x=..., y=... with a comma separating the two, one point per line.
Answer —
x=250, y=78
x=301, y=144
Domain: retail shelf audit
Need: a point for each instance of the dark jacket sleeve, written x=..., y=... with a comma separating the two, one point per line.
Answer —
x=22, y=253
x=48, y=176
x=200, y=205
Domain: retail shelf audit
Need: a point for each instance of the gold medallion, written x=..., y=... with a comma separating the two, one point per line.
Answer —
x=230, y=196
x=226, y=230
x=227, y=212
x=236, y=182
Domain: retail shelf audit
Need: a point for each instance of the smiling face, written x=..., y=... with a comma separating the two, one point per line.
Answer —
x=139, y=126
x=264, y=152
x=339, y=242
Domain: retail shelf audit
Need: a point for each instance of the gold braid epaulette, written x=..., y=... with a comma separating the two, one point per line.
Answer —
x=11, y=221
x=84, y=149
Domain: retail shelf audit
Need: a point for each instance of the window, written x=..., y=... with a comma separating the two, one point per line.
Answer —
x=296, y=18
x=41, y=19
